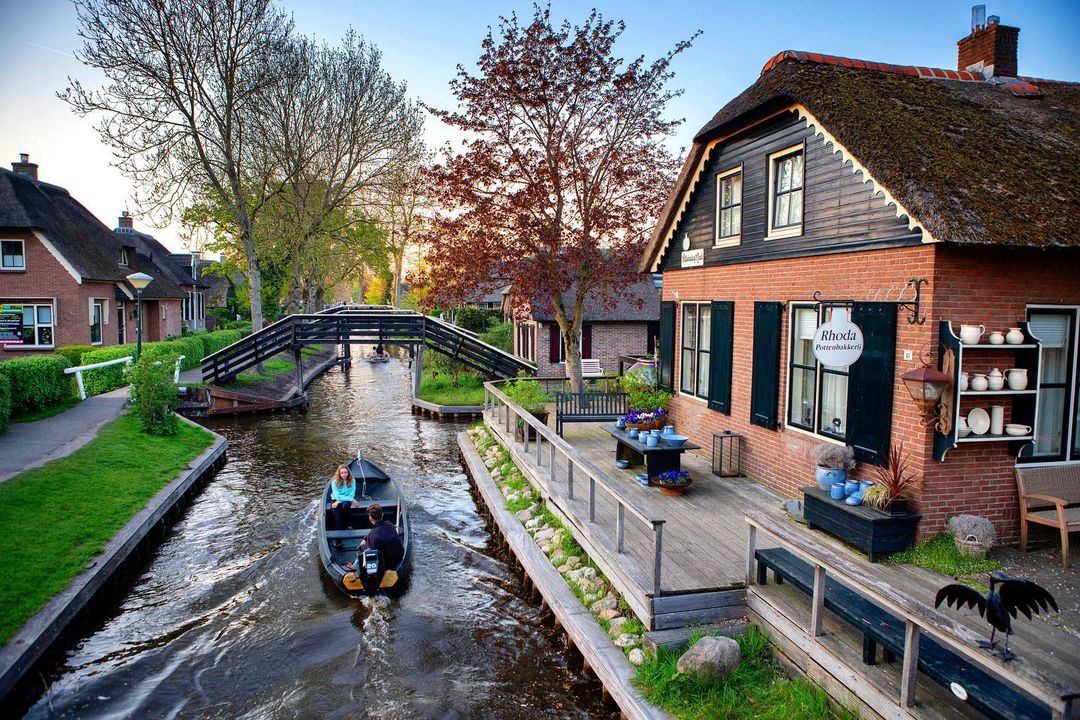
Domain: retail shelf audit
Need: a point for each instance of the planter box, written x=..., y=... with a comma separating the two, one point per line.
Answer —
x=520, y=432
x=875, y=532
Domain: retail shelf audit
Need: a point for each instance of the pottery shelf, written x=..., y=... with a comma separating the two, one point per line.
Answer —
x=1003, y=346
x=992, y=438
x=977, y=393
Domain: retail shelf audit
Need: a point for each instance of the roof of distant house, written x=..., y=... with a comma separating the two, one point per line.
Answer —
x=638, y=303
x=974, y=160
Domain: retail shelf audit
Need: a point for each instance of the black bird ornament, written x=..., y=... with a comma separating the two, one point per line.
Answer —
x=1007, y=595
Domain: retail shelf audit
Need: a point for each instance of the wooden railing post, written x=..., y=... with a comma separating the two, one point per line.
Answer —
x=592, y=499
x=551, y=461
x=658, y=554
x=539, y=448
x=911, y=664
x=817, y=613
x=569, y=477
x=620, y=522
x=751, y=559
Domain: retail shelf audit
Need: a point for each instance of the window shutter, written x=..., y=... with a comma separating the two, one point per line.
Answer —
x=586, y=340
x=720, y=349
x=90, y=307
x=870, y=382
x=553, y=344
x=666, y=373
x=765, y=383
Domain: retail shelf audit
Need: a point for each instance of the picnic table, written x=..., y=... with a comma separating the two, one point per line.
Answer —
x=657, y=459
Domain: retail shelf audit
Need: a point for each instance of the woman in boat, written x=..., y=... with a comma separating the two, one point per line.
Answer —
x=342, y=494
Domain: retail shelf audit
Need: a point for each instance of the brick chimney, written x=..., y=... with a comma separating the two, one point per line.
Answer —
x=25, y=167
x=989, y=49
x=126, y=222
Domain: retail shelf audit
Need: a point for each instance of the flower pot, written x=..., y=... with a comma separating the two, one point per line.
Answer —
x=520, y=433
x=827, y=476
x=650, y=425
x=898, y=506
x=836, y=491
x=672, y=490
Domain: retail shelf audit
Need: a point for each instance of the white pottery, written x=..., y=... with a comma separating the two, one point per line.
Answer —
x=970, y=334
x=1015, y=336
x=1017, y=378
x=979, y=421
x=962, y=429
x=995, y=380
x=997, y=419
x=997, y=338
x=979, y=382
x=963, y=381
x=1017, y=430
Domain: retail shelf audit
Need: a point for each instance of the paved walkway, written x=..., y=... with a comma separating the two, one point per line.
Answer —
x=28, y=445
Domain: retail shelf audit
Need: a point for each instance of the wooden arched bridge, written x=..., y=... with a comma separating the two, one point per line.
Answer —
x=365, y=325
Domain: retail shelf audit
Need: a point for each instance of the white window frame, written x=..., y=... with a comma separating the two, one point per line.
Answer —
x=125, y=258
x=52, y=306
x=698, y=349
x=121, y=328
x=1072, y=428
x=815, y=432
x=735, y=239
x=22, y=254
x=98, y=305
x=775, y=233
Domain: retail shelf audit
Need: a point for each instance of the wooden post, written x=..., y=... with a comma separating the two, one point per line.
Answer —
x=539, y=449
x=817, y=615
x=569, y=477
x=592, y=499
x=299, y=369
x=751, y=548
x=911, y=665
x=620, y=523
x=658, y=554
x=551, y=460
x=418, y=370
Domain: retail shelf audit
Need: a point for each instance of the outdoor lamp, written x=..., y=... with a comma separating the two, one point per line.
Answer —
x=138, y=281
x=929, y=388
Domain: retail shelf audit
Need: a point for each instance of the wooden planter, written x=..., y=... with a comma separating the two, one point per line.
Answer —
x=877, y=533
x=520, y=433
x=657, y=424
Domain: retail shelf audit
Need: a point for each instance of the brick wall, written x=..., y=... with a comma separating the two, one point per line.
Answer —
x=609, y=340
x=993, y=45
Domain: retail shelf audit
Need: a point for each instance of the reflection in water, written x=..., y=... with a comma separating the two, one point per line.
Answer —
x=235, y=618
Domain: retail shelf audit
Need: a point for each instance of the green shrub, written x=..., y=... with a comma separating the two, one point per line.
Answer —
x=191, y=347
x=107, y=379
x=153, y=395
x=641, y=390
x=37, y=381
x=214, y=341
x=74, y=353
x=5, y=401
x=244, y=326
x=527, y=393
x=501, y=335
x=475, y=320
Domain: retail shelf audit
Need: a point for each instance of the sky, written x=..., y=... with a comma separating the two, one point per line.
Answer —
x=423, y=42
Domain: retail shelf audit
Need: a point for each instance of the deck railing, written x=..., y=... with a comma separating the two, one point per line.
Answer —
x=919, y=618
x=510, y=415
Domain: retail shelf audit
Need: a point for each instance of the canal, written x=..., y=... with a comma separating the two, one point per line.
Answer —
x=233, y=616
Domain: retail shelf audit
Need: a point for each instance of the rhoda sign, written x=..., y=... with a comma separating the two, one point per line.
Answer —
x=839, y=342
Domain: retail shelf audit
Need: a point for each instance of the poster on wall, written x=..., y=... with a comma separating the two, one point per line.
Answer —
x=11, y=324
x=839, y=342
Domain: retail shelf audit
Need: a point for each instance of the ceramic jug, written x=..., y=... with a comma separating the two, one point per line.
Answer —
x=1017, y=378
x=997, y=338
x=970, y=334
x=995, y=380
x=979, y=382
x=1015, y=336
x=963, y=381
x=997, y=419
x=962, y=429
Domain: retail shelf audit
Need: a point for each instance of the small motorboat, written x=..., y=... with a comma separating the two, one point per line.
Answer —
x=378, y=355
x=340, y=547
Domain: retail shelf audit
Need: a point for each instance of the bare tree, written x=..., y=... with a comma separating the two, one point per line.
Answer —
x=186, y=85
x=405, y=207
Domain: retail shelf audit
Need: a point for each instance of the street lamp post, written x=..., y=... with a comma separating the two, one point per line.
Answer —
x=138, y=280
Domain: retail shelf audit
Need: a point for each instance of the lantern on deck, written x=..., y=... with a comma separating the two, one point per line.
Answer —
x=727, y=454
x=929, y=388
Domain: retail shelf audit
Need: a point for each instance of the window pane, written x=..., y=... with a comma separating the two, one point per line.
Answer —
x=687, y=372
x=797, y=171
x=704, y=326
x=689, y=328
x=28, y=314
x=1050, y=421
x=44, y=314
x=736, y=188
x=44, y=336
x=833, y=419
x=725, y=223
x=725, y=192
x=783, y=180
x=703, y=374
x=795, y=214
x=802, y=398
x=802, y=346
x=736, y=220
x=28, y=334
x=781, y=211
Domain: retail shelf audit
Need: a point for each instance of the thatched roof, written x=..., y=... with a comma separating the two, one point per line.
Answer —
x=975, y=161
x=639, y=302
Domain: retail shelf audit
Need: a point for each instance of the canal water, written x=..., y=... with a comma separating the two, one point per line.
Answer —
x=234, y=617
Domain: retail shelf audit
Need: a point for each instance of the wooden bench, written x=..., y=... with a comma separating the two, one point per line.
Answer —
x=588, y=407
x=591, y=369
x=879, y=627
x=1049, y=496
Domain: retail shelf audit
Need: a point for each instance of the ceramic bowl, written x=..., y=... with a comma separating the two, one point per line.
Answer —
x=1017, y=430
x=676, y=440
x=643, y=478
x=622, y=464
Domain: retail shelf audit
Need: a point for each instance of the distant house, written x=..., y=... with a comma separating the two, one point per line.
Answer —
x=62, y=275
x=629, y=327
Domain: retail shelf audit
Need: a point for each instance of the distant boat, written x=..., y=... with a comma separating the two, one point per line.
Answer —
x=374, y=357
x=339, y=547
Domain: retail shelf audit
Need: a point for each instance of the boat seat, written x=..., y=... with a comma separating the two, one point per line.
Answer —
x=345, y=534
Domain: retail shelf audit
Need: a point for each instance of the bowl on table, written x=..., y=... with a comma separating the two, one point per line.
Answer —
x=676, y=440
x=643, y=478
x=622, y=464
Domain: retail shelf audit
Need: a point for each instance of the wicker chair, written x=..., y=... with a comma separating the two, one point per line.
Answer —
x=1050, y=496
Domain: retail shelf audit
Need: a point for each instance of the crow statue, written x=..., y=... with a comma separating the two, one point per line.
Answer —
x=1000, y=605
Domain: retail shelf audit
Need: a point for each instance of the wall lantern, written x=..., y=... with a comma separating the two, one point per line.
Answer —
x=929, y=388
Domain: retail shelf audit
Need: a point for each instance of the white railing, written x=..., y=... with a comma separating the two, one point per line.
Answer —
x=126, y=360
x=510, y=415
x=919, y=619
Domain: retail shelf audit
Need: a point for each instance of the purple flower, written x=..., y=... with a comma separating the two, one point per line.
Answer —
x=674, y=477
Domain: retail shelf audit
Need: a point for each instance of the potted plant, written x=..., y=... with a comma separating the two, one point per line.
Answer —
x=645, y=419
x=530, y=395
x=673, y=482
x=831, y=463
x=887, y=494
x=647, y=402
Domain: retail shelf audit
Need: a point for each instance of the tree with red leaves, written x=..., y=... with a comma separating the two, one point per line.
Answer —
x=561, y=174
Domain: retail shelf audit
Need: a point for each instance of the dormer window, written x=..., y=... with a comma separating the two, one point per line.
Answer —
x=728, y=207
x=786, y=184
x=125, y=257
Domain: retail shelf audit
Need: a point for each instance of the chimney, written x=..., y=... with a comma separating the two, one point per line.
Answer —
x=25, y=167
x=126, y=222
x=990, y=49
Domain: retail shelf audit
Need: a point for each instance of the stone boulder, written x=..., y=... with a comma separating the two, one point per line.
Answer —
x=711, y=657
x=615, y=626
x=608, y=602
x=524, y=515
x=636, y=657
x=581, y=573
x=627, y=640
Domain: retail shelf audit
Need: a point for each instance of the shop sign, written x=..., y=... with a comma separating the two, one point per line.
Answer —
x=839, y=342
x=693, y=258
x=11, y=324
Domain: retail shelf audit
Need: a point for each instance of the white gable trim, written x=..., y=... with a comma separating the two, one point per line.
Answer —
x=59, y=258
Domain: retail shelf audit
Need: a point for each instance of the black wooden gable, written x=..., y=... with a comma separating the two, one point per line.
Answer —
x=841, y=210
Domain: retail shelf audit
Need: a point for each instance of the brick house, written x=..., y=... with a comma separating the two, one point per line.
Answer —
x=62, y=277
x=629, y=327
x=841, y=184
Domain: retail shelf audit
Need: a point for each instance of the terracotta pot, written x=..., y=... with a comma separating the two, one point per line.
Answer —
x=671, y=490
x=656, y=424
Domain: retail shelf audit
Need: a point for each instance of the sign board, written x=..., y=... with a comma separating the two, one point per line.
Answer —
x=839, y=342
x=11, y=324
x=693, y=258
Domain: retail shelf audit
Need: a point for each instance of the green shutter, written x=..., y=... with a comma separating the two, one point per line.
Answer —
x=720, y=347
x=667, y=345
x=870, y=382
x=765, y=382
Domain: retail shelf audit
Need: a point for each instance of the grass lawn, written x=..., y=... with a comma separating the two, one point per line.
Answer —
x=309, y=351
x=757, y=689
x=467, y=389
x=939, y=553
x=46, y=412
x=271, y=369
x=55, y=518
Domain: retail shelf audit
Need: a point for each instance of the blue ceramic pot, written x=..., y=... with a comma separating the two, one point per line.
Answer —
x=851, y=487
x=621, y=424
x=837, y=491
x=633, y=433
x=864, y=486
x=653, y=440
x=827, y=476
x=668, y=430
x=854, y=499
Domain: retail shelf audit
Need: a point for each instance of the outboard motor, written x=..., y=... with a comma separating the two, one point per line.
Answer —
x=371, y=570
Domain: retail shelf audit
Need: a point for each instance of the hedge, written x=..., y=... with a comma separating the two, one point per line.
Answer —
x=37, y=381
x=5, y=401
x=214, y=341
x=103, y=380
x=74, y=353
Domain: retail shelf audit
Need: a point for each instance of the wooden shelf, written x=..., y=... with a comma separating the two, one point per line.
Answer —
x=1003, y=346
x=976, y=393
x=993, y=438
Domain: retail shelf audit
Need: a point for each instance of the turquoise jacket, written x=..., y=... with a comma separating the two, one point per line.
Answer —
x=345, y=493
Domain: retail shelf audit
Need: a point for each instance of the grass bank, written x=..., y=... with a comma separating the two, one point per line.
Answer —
x=271, y=369
x=447, y=389
x=55, y=518
x=939, y=553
